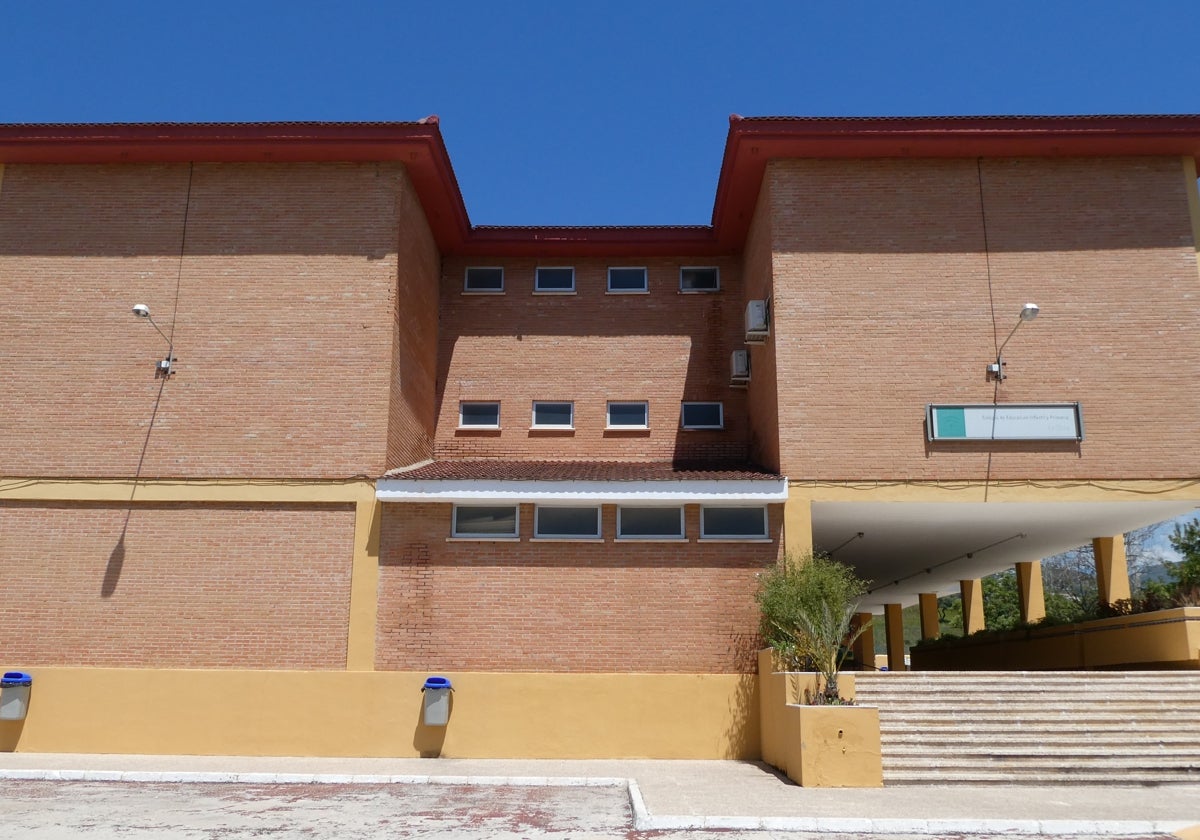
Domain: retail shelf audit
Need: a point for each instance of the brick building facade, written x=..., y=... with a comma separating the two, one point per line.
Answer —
x=395, y=442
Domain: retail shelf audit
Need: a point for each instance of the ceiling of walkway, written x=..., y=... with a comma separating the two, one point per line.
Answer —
x=907, y=548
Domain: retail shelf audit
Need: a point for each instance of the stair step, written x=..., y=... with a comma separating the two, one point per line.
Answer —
x=1116, y=727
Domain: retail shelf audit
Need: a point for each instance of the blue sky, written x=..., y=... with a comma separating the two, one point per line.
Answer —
x=590, y=113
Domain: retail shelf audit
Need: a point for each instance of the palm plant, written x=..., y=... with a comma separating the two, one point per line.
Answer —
x=807, y=607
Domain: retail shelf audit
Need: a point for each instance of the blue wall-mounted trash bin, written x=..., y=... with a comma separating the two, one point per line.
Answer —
x=14, y=695
x=436, y=701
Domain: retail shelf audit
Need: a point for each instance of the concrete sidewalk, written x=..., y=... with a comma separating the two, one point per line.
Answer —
x=690, y=794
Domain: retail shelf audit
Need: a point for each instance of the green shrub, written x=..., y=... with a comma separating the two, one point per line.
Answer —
x=807, y=604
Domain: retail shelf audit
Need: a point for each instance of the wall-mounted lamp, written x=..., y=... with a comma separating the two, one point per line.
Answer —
x=996, y=369
x=163, y=367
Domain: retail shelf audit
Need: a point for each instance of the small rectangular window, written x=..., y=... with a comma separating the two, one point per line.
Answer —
x=628, y=415
x=566, y=523
x=496, y=521
x=553, y=415
x=554, y=280
x=484, y=279
x=702, y=415
x=733, y=523
x=479, y=415
x=627, y=280
x=650, y=523
x=699, y=279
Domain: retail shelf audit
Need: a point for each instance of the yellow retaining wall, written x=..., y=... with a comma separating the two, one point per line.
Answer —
x=816, y=746
x=201, y=712
x=1163, y=639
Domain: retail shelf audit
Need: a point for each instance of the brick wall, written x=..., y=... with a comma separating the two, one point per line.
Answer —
x=591, y=347
x=763, y=391
x=564, y=606
x=411, y=419
x=283, y=320
x=883, y=304
x=176, y=586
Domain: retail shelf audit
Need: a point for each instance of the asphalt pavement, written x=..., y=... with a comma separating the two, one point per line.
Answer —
x=71, y=795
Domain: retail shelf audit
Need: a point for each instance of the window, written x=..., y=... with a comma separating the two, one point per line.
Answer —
x=699, y=279
x=479, y=415
x=627, y=280
x=628, y=415
x=554, y=280
x=485, y=521
x=566, y=523
x=553, y=415
x=650, y=523
x=484, y=279
x=733, y=523
x=702, y=415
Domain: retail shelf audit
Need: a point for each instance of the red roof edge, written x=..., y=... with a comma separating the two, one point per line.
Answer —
x=751, y=142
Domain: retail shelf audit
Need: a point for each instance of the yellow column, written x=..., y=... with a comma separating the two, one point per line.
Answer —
x=797, y=525
x=364, y=582
x=1112, y=573
x=1030, y=591
x=930, y=628
x=893, y=625
x=1193, y=199
x=972, y=605
x=864, y=645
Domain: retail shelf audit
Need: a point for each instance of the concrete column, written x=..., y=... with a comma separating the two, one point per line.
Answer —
x=797, y=525
x=930, y=628
x=1112, y=572
x=864, y=645
x=893, y=625
x=1030, y=592
x=972, y=605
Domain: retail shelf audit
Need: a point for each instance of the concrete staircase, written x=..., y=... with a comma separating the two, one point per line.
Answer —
x=1037, y=727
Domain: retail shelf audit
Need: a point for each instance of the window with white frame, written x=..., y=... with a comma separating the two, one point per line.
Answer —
x=625, y=280
x=484, y=279
x=566, y=523
x=699, y=279
x=649, y=523
x=553, y=415
x=628, y=415
x=702, y=415
x=479, y=415
x=560, y=279
x=485, y=521
x=733, y=523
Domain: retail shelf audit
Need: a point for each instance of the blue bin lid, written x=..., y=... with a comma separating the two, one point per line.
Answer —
x=436, y=682
x=16, y=678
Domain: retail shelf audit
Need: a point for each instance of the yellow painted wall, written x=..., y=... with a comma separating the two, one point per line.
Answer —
x=1167, y=639
x=816, y=746
x=494, y=715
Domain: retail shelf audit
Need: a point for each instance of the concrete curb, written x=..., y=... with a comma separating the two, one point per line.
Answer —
x=643, y=820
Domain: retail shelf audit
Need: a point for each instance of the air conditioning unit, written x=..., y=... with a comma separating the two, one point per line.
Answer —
x=739, y=368
x=758, y=325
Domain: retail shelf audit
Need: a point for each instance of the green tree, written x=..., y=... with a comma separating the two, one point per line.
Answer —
x=806, y=605
x=1186, y=540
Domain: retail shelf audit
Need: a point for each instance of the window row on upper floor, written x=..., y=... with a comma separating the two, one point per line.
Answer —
x=619, y=415
x=560, y=280
x=634, y=522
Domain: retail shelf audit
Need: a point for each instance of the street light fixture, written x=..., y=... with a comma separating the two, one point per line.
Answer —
x=996, y=369
x=163, y=367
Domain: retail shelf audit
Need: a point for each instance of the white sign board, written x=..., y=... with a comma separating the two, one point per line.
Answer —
x=1050, y=421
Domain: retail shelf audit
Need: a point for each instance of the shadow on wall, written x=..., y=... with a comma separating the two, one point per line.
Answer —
x=743, y=734
x=10, y=734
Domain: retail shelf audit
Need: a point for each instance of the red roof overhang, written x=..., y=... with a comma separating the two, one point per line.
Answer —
x=750, y=144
